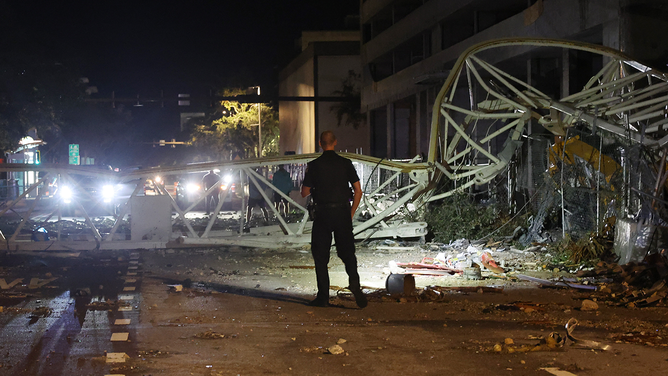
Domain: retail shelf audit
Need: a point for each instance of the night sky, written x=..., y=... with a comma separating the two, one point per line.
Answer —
x=142, y=47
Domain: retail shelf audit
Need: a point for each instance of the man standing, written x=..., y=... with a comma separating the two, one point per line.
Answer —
x=283, y=182
x=208, y=181
x=327, y=179
x=255, y=199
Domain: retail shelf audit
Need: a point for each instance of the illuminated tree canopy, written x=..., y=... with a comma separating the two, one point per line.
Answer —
x=231, y=129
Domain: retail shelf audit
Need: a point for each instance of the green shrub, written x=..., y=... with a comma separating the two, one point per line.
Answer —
x=459, y=217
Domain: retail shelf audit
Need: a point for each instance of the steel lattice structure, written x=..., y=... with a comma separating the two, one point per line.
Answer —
x=470, y=144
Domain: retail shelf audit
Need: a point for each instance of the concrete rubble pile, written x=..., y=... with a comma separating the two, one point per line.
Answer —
x=491, y=258
x=633, y=284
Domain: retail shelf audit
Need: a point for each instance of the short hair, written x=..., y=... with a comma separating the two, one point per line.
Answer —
x=327, y=138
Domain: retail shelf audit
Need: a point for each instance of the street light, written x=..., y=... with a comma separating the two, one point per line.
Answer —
x=259, y=123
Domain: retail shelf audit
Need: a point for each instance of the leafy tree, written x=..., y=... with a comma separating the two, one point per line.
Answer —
x=34, y=93
x=231, y=129
x=458, y=216
x=349, y=109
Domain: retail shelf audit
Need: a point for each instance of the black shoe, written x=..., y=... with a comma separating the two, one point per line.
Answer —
x=319, y=302
x=360, y=298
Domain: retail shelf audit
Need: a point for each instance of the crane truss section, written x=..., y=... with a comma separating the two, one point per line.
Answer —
x=383, y=211
x=472, y=141
x=481, y=113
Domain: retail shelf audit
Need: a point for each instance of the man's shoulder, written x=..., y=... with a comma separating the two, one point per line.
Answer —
x=343, y=159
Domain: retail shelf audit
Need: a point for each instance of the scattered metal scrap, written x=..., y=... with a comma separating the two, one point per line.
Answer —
x=560, y=282
x=633, y=284
x=552, y=342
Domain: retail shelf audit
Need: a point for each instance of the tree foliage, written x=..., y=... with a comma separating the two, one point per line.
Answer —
x=231, y=129
x=458, y=216
x=348, y=111
x=34, y=93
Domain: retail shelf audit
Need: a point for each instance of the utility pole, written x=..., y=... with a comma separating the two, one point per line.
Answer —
x=259, y=120
x=259, y=125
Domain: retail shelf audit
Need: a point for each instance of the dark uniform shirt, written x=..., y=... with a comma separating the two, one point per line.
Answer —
x=210, y=179
x=253, y=191
x=329, y=177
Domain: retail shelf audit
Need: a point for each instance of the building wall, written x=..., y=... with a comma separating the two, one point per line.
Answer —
x=444, y=27
x=296, y=119
x=323, y=64
x=332, y=71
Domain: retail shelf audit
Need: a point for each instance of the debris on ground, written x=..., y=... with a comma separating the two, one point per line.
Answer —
x=311, y=349
x=641, y=338
x=41, y=312
x=473, y=261
x=589, y=305
x=211, y=335
x=527, y=307
x=557, y=372
x=632, y=285
x=335, y=350
x=426, y=294
x=153, y=354
x=175, y=288
x=557, y=282
x=583, y=343
x=101, y=305
x=426, y=267
x=552, y=342
x=489, y=263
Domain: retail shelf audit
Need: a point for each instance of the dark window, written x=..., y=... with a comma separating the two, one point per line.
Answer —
x=382, y=67
x=379, y=132
x=405, y=7
x=409, y=53
x=426, y=44
x=457, y=28
x=366, y=32
x=387, y=17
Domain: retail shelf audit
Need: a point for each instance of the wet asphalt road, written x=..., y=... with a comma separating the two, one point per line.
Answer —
x=59, y=313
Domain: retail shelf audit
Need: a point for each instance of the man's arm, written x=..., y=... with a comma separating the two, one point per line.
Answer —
x=306, y=191
x=357, y=188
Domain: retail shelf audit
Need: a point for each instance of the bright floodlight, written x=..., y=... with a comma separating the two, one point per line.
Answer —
x=108, y=193
x=192, y=188
x=227, y=179
x=66, y=194
x=158, y=179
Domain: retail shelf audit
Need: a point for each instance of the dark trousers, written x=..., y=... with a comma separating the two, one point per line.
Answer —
x=333, y=220
x=211, y=202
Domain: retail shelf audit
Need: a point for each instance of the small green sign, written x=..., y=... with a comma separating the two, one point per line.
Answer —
x=74, y=149
x=74, y=154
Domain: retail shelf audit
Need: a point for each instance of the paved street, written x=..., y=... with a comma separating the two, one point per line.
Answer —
x=229, y=311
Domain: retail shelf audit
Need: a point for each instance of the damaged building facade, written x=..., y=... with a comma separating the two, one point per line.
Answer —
x=409, y=48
